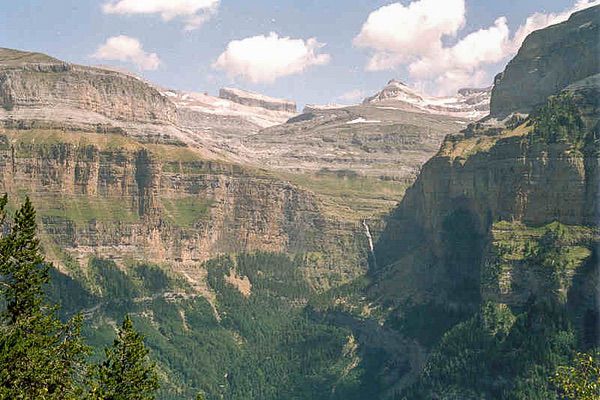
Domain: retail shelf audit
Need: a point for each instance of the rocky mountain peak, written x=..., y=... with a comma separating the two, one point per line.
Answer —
x=395, y=90
x=396, y=82
x=470, y=103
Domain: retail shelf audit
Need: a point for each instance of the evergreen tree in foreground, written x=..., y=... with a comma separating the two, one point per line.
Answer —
x=40, y=357
x=127, y=373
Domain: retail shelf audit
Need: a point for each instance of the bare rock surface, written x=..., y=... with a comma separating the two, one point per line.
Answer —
x=549, y=60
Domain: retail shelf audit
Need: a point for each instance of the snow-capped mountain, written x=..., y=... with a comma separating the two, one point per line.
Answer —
x=468, y=103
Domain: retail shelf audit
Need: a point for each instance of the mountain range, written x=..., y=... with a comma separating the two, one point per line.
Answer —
x=408, y=247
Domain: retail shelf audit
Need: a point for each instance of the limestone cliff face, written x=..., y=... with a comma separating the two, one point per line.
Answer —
x=111, y=196
x=57, y=86
x=505, y=178
x=114, y=173
x=549, y=60
x=524, y=172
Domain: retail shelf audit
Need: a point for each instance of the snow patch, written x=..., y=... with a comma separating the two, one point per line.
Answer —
x=361, y=120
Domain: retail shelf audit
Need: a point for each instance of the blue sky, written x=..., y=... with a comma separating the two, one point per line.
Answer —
x=342, y=70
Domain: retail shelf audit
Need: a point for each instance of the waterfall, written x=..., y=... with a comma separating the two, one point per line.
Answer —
x=368, y=234
x=370, y=239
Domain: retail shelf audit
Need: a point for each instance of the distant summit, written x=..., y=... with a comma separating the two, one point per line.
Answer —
x=252, y=99
x=233, y=107
x=395, y=90
x=471, y=103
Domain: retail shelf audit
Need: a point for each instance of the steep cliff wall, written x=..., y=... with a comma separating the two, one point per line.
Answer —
x=549, y=60
x=112, y=196
x=514, y=175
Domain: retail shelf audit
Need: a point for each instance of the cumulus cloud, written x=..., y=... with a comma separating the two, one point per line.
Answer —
x=263, y=59
x=193, y=12
x=400, y=33
x=127, y=49
x=461, y=65
x=414, y=36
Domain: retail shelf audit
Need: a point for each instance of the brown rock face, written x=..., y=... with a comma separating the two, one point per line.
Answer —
x=536, y=184
x=549, y=60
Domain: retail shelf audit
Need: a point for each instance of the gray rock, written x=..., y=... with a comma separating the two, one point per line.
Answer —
x=549, y=60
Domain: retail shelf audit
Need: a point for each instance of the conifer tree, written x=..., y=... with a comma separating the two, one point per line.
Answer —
x=127, y=373
x=40, y=357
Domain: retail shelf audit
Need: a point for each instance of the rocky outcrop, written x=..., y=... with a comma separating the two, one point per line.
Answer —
x=59, y=86
x=549, y=60
x=257, y=100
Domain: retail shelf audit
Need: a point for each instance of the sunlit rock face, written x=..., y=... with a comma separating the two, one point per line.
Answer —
x=548, y=61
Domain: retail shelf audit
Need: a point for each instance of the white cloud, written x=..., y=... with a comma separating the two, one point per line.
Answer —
x=399, y=34
x=451, y=68
x=127, y=49
x=263, y=59
x=413, y=36
x=193, y=12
